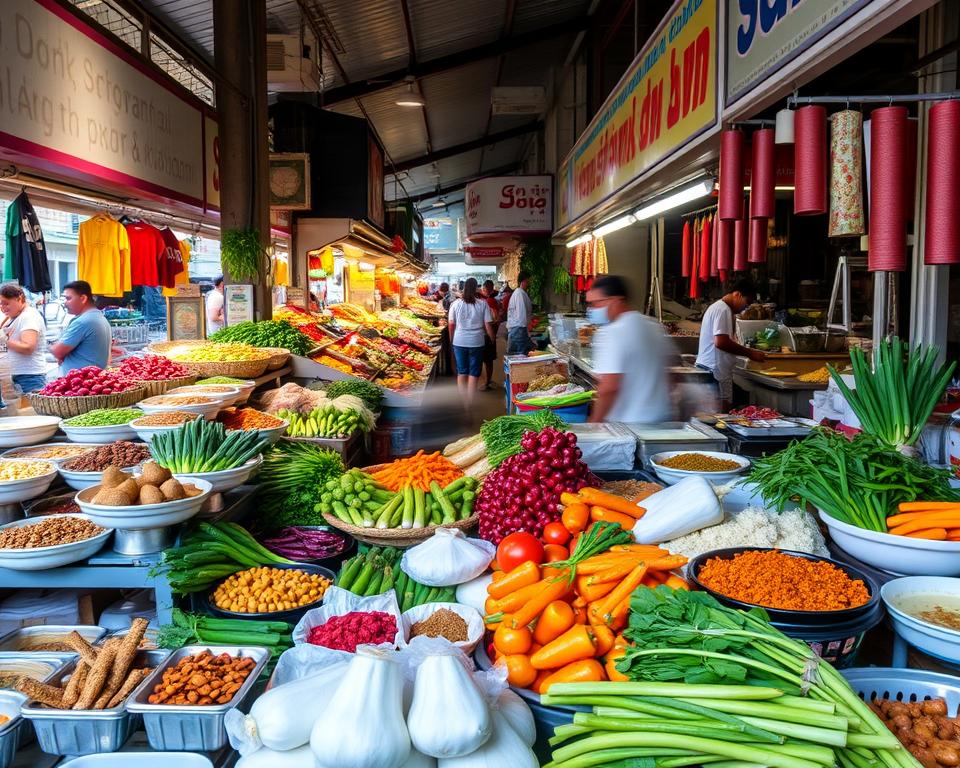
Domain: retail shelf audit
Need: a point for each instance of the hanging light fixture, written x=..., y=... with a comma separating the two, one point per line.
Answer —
x=411, y=98
x=685, y=195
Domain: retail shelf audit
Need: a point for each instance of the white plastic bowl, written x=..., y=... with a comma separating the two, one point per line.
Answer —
x=100, y=435
x=246, y=388
x=671, y=476
x=226, y=397
x=12, y=491
x=143, y=516
x=208, y=410
x=16, y=431
x=225, y=479
x=271, y=435
x=80, y=480
x=147, y=432
x=910, y=557
x=41, y=558
x=937, y=641
x=80, y=447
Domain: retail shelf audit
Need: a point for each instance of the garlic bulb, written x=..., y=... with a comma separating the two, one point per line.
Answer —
x=504, y=748
x=518, y=714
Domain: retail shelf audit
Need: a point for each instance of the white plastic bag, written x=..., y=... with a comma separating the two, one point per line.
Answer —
x=301, y=757
x=471, y=617
x=447, y=558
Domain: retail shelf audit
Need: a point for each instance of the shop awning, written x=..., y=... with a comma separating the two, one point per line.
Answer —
x=357, y=239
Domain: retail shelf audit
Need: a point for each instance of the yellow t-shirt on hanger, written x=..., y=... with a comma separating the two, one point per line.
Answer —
x=103, y=256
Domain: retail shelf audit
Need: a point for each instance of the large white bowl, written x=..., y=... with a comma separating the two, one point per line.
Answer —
x=226, y=397
x=225, y=479
x=16, y=431
x=41, y=558
x=80, y=480
x=271, y=435
x=79, y=447
x=671, y=476
x=246, y=388
x=902, y=555
x=143, y=516
x=937, y=641
x=12, y=491
x=147, y=432
x=208, y=410
x=100, y=435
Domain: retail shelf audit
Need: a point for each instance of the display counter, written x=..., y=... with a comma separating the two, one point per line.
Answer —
x=786, y=394
x=582, y=360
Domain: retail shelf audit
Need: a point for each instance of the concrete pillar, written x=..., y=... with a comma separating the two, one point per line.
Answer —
x=241, y=90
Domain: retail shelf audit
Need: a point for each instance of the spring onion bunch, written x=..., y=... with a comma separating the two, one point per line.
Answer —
x=858, y=481
x=502, y=435
x=714, y=686
x=894, y=400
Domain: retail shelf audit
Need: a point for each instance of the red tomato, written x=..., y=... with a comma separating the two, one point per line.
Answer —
x=555, y=553
x=517, y=548
x=555, y=533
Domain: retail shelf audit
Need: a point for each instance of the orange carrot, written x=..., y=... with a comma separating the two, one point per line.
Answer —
x=584, y=671
x=554, y=590
x=933, y=534
x=611, y=502
x=516, y=599
x=610, y=516
x=575, y=517
x=622, y=591
x=920, y=506
x=523, y=575
x=520, y=671
x=614, y=572
x=497, y=573
x=649, y=550
x=591, y=592
x=675, y=582
x=570, y=498
x=610, y=667
x=604, y=638
x=602, y=562
x=617, y=620
x=556, y=619
x=930, y=521
x=576, y=643
x=667, y=563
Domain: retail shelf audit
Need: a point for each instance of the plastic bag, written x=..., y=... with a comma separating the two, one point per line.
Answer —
x=447, y=558
x=471, y=616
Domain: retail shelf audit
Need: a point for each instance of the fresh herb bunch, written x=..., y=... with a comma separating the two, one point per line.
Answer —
x=535, y=258
x=858, y=481
x=241, y=253
x=266, y=333
x=205, y=446
x=894, y=400
x=502, y=435
x=295, y=475
x=371, y=394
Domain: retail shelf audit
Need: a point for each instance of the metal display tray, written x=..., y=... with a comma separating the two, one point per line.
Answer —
x=192, y=728
x=15, y=640
x=86, y=731
x=12, y=730
x=785, y=427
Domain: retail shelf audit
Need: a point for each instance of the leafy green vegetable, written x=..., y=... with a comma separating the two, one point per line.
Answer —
x=294, y=475
x=502, y=435
x=266, y=333
x=204, y=446
x=371, y=394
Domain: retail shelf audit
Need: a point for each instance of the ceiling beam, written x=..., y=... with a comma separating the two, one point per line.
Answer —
x=456, y=186
x=412, y=48
x=507, y=30
x=453, y=60
x=467, y=146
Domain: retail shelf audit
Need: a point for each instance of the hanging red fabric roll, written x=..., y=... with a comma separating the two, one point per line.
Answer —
x=730, y=204
x=724, y=244
x=695, y=264
x=714, y=234
x=723, y=276
x=911, y=183
x=705, y=249
x=758, y=241
x=810, y=161
x=942, y=228
x=763, y=175
x=740, y=242
x=888, y=195
x=686, y=253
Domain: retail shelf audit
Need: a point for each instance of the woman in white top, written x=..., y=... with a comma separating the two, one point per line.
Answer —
x=24, y=329
x=470, y=320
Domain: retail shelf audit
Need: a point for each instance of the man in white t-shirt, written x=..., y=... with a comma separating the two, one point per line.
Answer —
x=215, y=307
x=630, y=358
x=717, y=348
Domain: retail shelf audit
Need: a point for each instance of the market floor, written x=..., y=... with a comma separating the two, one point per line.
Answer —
x=443, y=418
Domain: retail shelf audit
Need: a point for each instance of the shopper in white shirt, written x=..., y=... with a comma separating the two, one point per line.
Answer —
x=215, y=307
x=24, y=329
x=630, y=358
x=519, y=312
x=718, y=350
x=470, y=322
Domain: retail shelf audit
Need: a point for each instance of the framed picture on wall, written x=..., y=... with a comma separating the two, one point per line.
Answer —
x=186, y=318
x=289, y=176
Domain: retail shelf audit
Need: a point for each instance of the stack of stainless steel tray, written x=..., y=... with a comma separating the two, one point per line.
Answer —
x=11, y=732
x=20, y=640
x=192, y=728
x=675, y=436
x=786, y=426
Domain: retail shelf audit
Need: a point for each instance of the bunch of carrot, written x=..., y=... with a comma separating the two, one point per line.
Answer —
x=418, y=471
x=591, y=505
x=559, y=623
x=933, y=520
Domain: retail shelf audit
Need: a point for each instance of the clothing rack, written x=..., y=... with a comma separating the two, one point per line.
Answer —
x=908, y=98
x=698, y=212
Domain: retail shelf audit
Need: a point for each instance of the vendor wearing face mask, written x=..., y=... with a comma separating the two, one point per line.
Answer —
x=630, y=358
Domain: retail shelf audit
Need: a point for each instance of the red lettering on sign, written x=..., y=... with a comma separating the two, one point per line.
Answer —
x=688, y=88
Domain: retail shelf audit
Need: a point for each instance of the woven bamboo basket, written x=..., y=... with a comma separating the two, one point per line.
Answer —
x=155, y=387
x=162, y=347
x=395, y=537
x=68, y=406
x=279, y=357
x=241, y=369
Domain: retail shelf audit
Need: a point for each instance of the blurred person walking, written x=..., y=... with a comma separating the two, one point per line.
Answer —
x=490, y=344
x=470, y=321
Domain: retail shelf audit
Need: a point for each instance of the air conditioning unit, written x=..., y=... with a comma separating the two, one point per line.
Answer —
x=518, y=100
x=293, y=64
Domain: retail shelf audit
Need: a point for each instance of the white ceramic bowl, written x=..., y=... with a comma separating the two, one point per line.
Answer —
x=228, y=396
x=938, y=641
x=909, y=556
x=100, y=435
x=12, y=491
x=16, y=431
x=671, y=476
x=80, y=480
x=225, y=479
x=17, y=453
x=143, y=516
x=246, y=388
x=41, y=558
x=271, y=435
x=147, y=432
x=208, y=409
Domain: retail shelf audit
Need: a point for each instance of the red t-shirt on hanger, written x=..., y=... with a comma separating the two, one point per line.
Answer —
x=146, y=250
x=171, y=260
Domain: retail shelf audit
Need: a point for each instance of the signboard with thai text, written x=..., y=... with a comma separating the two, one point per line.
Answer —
x=518, y=205
x=666, y=97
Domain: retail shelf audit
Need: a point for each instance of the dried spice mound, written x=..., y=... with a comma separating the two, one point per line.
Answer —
x=773, y=579
x=699, y=462
x=442, y=623
x=49, y=533
x=119, y=454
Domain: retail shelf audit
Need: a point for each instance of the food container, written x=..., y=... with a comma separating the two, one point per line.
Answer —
x=292, y=616
x=10, y=731
x=146, y=431
x=143, y=516
x=272, y=434
x=69, y=451
x=675, y=436
x=12, y=491
x=52, y=505
x=938, y=641
x=904, y=685
x=42, y=558
x=834, y=635
x=16, y=431
x=23, y=639
x=184, y=727
x=86, y=731
x=225, y=393
x=148, y=643
x=671, y=476
x=902, y=555
x=74, y=405
x=142, y=760
x=208, y=409
x=37, y=666
x=225, y=479
x=99, y=435
x=80, y=480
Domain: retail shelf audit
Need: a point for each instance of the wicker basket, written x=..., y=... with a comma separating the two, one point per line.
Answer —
x=395, y=537
x=66, y=407
x=162, y=347
x=240, y=369
x=162, y=386
x=279, y=357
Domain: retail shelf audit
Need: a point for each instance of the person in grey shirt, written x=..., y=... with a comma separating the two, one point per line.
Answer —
x=519, y=313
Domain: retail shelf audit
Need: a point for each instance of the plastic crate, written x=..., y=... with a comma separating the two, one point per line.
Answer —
x=572, y=414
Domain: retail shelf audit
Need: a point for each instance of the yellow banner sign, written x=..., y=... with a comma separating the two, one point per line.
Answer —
x=668, y=96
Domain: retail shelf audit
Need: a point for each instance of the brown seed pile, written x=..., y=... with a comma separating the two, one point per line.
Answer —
x=119, y=454
x=48, y=533
x=52, y=451
x=699, y=462
x=166, y=419
x=178, y=400
x=442, y=623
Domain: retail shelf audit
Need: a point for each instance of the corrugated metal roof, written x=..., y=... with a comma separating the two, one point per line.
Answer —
x=441, y=27
x=534, y=14
x=191, y=19
x=458, y=102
